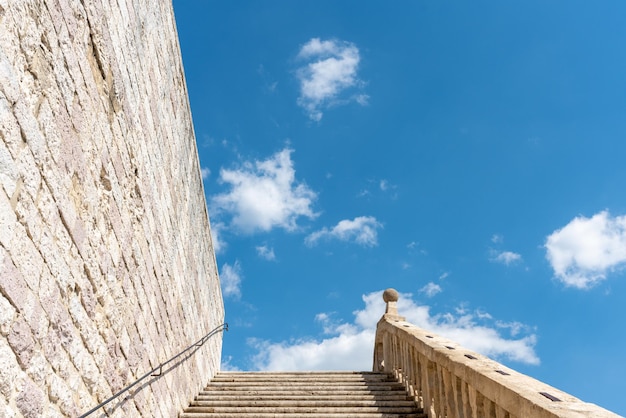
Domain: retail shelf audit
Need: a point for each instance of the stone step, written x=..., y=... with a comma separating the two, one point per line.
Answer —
x=305, y=409
x=303, y=373
x=298, y=415
x=303, y=394
x=309, y=386
x=316, y=386
x=317, y=395
x=275, y=379
x=301, y=403
x=266, y=376
x=299, y=381
x=269, y=379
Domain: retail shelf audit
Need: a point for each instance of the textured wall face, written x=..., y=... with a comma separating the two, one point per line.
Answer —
x=106, y=261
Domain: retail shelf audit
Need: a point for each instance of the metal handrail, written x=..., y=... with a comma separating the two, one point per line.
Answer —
x=159, y=368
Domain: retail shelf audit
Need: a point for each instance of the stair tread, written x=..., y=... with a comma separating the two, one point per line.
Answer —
x=301, y=402
x=303, y=394
x=307, y=409
x=299, y=415
x=305, y=388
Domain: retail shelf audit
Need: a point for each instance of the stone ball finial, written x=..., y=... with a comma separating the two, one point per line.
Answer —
x=390, y=295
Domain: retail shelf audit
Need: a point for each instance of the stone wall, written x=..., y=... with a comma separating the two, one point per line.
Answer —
x=450, y=381
x=106, y=262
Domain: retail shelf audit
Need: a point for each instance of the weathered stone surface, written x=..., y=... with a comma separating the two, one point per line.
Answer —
x=7, y=315
x=30, y=401
x=106, y=259
x=450, y=381
x=21, y=341
x=9, y=370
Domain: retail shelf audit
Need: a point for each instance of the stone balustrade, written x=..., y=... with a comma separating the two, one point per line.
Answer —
x=450, y=381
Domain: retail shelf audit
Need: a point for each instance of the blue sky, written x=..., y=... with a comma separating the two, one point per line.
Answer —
x=468, y=154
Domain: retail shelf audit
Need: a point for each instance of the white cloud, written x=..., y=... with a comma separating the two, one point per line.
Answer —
x=216, y=237
x=585, y=250
x=227, y=366
x=362, y=99
x=264, y=195
x=362, y=230
x=385, y=186
x=496, y=238
x=515, y=328
x=205, y=172
x=350, y=345
x=505, y=257
x=266, y=252
x=431, y=289
x=328, y=323
x=330, y=68
x=230, y=278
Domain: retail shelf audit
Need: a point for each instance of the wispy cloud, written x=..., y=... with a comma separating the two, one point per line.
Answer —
x=230, y=278
x=266, y=252
x=385, y=186
x=348, y=346
x=362, y=99
x=264, y=195
x=330, y=68
x=329, y=324
x=585, y=250
x=205, y=172
x=505, y=257
x=362, y=230
x=216, y=237
x=431, y=289
x=382, y=185
x=227, y=366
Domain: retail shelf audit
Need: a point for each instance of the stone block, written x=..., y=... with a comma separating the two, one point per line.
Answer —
x=8, y=220
x=9, y=173
x=21, y=340
x=61, y=395
x=98, y=187
x=30, y=401
x=7, y=315
x=9, y=369
x=13, y=285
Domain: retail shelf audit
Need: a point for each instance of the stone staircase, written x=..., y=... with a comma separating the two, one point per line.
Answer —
x=303, y=394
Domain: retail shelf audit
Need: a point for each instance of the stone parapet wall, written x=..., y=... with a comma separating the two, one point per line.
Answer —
x=106, y=262
x=450, y=381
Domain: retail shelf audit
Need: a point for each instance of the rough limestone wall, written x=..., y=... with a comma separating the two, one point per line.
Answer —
x=106, y=261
